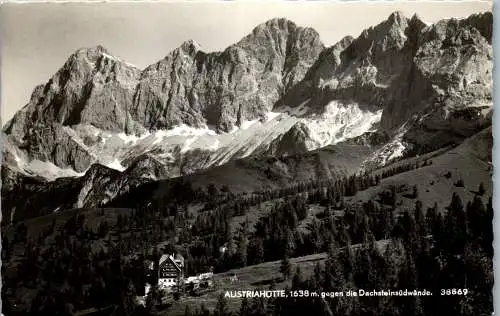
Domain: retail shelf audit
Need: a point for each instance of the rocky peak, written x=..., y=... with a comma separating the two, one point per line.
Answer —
x=393, y=29
x=454, y=33
x=97, y=170
x=295, y=141
x=483, y=22
x=397, y=17
x=87, y=89
x=449, y=63
x=335, y=50
x=97, y=59
x=413, y=32
x=190, y=47
x=274, y=25
x=92, y=54
x=328, y=61
x=281, y=35
x=177, y=57
x=388, y=35
x=343, y=43
x=89, y=60
x=416, y=23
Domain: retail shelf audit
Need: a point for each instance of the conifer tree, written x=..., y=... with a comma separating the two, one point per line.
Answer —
x=222, y=307
x=187, y=311
x=204, y=310
x=456, y=231
x=487, y=228
x=333, y=273
x=481, y=189
x=245, y=308
x=259, y=250
x=298, y=279
x=243, y=248
x=317, y=276
x=258, y=306
x=285, y=267
x=415, y=192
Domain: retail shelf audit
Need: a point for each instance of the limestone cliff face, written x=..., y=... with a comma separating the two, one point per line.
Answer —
x=188, y=87
x=224, y=89
x=405, y=67
x=91, y=88
x=452, y=69
x=402, y=66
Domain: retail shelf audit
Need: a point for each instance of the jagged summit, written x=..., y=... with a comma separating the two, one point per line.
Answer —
x=417, y=21
x=280, y=28
x=92, y=53
x=397, y=20
x=190, y=44
x=280, y=44
x=483, y=22
x=275, y=23
x=415, y=16
x=191, y=47
x=92, y=50
x=397, y=17
x=343, y=43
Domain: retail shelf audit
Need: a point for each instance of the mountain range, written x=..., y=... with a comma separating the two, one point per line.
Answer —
x=273, y=109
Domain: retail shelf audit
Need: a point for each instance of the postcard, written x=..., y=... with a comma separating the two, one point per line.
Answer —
x=247, y=158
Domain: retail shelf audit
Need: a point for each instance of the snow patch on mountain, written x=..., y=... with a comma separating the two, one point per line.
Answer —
x=215, y=145
x=247, y=124
x=131, y=139
x=298, y=111
x=115, y=164
x=340, y=122
x=241, y=142
x=109, y=56
x=80, y=202
x=47, y=170
x=182, y=131
x=119, y=60
x=272, y=115
x=16, y=158
x=187, y=144
x=35, y=167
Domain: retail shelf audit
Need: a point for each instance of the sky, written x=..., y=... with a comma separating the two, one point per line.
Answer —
x=37, y=38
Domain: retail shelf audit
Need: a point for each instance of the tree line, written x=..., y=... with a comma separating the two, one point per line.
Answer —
x=425, y=251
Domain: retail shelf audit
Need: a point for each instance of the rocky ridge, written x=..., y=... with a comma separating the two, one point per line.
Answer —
x=188, y=86
x=407, y=66
x=276, y=92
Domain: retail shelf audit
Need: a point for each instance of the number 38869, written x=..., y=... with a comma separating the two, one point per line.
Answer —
x=454, y=291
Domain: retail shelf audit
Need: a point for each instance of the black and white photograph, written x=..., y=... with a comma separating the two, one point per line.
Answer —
x=247, y=158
